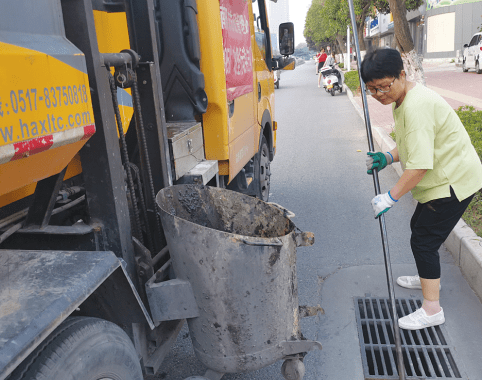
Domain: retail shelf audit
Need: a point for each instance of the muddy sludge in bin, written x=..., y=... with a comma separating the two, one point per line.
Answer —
x=239, y=255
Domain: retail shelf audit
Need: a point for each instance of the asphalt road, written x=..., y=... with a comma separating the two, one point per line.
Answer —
x=319, y=174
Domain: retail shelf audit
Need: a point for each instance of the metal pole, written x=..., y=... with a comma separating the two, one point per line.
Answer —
x=348, y=62
x=383, y=230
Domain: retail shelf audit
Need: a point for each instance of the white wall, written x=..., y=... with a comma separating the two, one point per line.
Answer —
x=441, y=33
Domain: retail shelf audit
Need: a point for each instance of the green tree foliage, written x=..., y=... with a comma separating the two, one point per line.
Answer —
x=314, y=32
x=327, y=20
x=334, y=19
x=383, y=7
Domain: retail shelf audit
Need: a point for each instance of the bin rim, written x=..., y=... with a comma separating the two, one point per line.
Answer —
x=246, y=239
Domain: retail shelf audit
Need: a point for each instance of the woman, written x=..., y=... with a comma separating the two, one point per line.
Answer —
x=441, y=169
x=330, y=61
x=321, y=61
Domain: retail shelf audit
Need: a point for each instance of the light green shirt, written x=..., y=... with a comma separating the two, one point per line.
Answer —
x=430, y=135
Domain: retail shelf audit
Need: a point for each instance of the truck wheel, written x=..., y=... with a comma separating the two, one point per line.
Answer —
x=478, y=70
x=82, y=348
x=262, y=171
x=464, y=66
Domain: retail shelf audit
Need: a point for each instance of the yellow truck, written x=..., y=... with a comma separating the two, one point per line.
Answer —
x=102, y=104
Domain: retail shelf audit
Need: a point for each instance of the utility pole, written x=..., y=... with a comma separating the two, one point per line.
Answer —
x=348, y=48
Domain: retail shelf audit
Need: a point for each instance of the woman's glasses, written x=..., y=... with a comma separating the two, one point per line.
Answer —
x=382, y=90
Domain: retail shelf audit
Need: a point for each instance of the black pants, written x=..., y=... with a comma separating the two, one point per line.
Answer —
x=320, y=65
x=431, y=224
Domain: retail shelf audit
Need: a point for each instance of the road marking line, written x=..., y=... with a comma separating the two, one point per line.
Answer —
x=470, y=100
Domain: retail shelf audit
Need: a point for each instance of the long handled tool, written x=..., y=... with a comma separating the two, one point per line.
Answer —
x=386, y=252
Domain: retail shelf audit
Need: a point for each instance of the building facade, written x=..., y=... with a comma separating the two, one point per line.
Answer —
x=278, y=13
x=449, y=27
x=439, y=28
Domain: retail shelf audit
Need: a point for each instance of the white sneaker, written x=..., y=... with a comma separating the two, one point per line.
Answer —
x=411, y=282
x=420, y=320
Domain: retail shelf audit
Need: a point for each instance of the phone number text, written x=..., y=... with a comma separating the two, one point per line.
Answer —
x=53, y=97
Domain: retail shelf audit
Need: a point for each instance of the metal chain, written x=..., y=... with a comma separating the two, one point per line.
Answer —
x=125, y=159
x=140, y=128
x=143, y=205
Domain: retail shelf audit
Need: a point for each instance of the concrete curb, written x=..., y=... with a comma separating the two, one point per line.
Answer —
x=464, y=245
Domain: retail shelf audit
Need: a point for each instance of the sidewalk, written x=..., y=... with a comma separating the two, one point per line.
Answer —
x=458, y=89
x=445, y=78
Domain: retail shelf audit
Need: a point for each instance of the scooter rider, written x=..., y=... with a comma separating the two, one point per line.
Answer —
x=441, y=169
x=330, y=61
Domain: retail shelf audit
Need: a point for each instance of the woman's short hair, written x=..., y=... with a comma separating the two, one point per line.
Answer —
x=381, y=63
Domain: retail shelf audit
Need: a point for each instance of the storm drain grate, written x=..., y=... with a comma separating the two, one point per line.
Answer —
x=426, y=353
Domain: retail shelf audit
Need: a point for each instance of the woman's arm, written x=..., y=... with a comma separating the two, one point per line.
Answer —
x=409, y=179
x=394, y=153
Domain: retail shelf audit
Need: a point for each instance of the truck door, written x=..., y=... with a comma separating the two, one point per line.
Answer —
x=477, y=50
x=471, y=53
x=229, y=124
x=240, y=90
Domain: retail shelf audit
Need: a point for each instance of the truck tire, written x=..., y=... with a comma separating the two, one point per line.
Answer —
x=82, y=348
x=262, y=171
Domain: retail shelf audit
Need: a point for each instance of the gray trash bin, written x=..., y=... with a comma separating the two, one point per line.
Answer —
x=239, y=255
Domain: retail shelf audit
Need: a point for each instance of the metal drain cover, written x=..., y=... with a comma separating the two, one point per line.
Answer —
x=426, y=353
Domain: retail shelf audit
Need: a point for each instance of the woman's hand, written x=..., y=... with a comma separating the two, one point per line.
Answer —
x=382, y=203
x=378, y=160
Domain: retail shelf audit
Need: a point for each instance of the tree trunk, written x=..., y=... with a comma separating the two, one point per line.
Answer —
x=411, y=60
x=361, y=31
x=341, y=43
x=361, y=24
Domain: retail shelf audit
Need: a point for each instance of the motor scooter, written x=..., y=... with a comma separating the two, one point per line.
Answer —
x=332, y=79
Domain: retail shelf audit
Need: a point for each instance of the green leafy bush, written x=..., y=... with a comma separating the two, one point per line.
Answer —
x=341, y=65
x=352, y=81
x=472, y=121
x=472, y=215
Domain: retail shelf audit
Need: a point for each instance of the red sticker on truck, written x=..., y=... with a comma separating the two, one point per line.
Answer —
x=238, y=57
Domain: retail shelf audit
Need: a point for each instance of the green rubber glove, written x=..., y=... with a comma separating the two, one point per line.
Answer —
x=377, y=160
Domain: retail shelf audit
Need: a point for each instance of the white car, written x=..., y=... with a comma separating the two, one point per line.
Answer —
x=473, y=54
